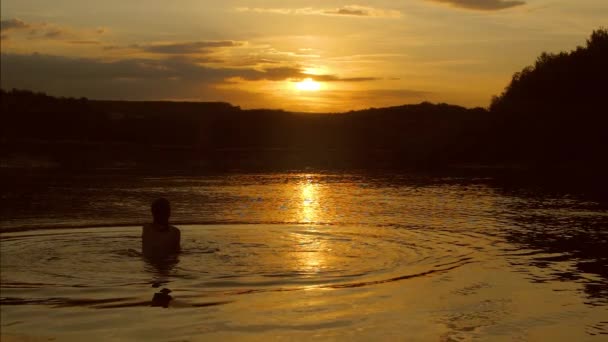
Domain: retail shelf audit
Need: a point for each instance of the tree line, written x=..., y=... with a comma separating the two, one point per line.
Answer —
x=551, y=113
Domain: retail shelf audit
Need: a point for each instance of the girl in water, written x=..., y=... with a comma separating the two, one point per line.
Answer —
x=159, y=238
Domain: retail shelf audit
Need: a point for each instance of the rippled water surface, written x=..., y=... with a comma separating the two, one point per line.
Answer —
x=294, y=255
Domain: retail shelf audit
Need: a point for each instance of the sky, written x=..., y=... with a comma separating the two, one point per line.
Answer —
x=310, y=56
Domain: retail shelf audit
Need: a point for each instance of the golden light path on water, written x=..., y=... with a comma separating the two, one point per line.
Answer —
x=310, y=249
x=309, y=194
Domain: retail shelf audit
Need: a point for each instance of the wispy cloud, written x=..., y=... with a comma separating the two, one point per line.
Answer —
x=483, y=5
x=363, y=11
x=298, y=74
x=334, y=78
x=46, y=31
x=40, y=71
x=13, y=24
x=55, y=33
x=183, y=48
x=85, y=42
x=348, y=11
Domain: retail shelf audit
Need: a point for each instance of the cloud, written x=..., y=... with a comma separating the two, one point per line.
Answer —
x=47, y=31
x=102, y=79
x=362, y=11
x=13, y=24
x=244, y=61
x=296, y=74
x=54, y=33
x=334, y=78
x=483, y=5
x=349, y=11
x=187, y=47
x=85, y=42
x=271, y=74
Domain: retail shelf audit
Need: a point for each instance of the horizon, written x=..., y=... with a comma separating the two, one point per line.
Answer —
x=346, y=111
x=305, y=57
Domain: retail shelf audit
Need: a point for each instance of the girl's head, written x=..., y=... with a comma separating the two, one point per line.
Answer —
x=161, y=211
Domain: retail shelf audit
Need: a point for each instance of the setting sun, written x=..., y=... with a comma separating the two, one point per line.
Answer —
x=308, y=85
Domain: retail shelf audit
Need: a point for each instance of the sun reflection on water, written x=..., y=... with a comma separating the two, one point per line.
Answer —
x=309, y=199
x=311, y=248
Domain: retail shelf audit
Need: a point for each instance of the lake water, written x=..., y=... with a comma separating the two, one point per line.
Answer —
x=304, y=256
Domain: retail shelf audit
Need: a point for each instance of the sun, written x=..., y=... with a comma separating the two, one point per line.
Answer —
x=308, y=85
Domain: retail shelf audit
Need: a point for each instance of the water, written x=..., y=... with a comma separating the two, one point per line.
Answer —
x=299, y=256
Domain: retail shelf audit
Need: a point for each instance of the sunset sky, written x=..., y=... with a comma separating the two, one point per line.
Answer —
x=297, y=55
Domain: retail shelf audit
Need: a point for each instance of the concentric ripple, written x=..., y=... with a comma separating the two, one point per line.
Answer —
x=286, y=271
x=231, y=257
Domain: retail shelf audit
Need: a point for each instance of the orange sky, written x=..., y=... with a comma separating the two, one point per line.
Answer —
x=296, y=55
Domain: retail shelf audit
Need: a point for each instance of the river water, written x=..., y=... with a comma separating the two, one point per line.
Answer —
x=304, y=256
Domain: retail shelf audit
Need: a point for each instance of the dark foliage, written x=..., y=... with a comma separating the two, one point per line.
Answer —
x=555, y=111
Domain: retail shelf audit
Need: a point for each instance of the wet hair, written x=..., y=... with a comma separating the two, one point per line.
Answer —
x=161, y=211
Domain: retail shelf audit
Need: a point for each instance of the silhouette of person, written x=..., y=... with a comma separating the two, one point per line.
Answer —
x=159, y=239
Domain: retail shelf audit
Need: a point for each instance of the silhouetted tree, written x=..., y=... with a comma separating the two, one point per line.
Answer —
x=555, y=111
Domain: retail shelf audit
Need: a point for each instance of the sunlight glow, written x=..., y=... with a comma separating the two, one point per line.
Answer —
x=312, y=250
x=309, y=201
x=308, y=85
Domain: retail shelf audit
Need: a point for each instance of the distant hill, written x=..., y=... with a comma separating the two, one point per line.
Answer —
x=218, y=133
x=552, y=113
